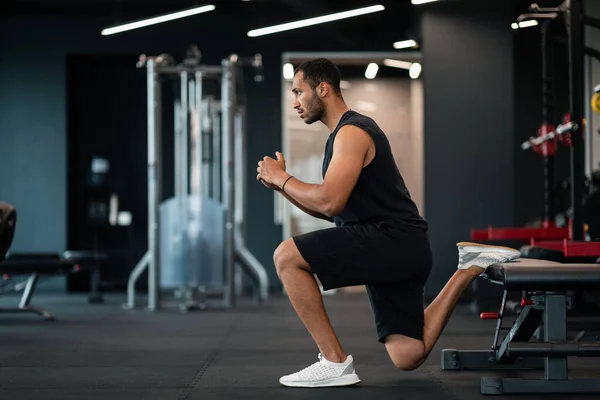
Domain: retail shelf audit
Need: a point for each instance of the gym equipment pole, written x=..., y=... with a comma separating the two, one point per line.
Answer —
x=576, y=40
x=201, y=144
x=216, y=150
x=151, y=257
x=182, y=168
x=548, y=148
x=246, y=259
x=588, y=87
x=228, y=122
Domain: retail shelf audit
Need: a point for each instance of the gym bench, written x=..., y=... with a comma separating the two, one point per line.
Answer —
x=545, y=302
x=36, y=265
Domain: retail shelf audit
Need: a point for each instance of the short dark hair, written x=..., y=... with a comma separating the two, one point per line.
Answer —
x=321, y=70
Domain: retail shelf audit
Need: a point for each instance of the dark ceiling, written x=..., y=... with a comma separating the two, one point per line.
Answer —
x=144, y=8
x=375, y=30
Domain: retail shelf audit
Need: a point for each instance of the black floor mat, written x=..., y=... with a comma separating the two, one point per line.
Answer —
x=104, y=352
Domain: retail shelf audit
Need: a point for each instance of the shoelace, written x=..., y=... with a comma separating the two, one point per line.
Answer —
x=316, y=370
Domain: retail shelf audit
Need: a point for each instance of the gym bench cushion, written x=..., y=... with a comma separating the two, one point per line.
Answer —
x=35, y=265
x=529, y=274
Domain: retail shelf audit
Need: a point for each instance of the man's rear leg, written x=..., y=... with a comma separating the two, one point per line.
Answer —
x=408, y=353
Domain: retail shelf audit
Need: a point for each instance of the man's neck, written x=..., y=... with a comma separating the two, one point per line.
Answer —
x=333, y=115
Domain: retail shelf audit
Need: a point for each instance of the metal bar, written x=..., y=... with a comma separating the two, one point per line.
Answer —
x=184, y=150
x=207, y=70
x=588, y=91
x=239, y=169
x=133, y=277
x=558, y=131
x=523, y=328
x=549, y=159
x=249, y=263
x=576, y=43
x=29, y=289
x=592, y=53
x=228, y=112
x=154, y=184
x=239, y=190
x=555, y=330
x=149, y=259
x=499, y=321
x=464, y=360
x=556, y=349
x=217, y=166
x=495, y=386
x=177, y=148
x=591, y=21
x=200, y=146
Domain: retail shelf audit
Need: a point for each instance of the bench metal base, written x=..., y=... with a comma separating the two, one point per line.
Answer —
x=24, y=306
x=514, y=386
x=35, y=310
x=519, y=350
x=485, y=360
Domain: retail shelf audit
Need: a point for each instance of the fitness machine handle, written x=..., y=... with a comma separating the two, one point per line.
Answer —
x=560, y=130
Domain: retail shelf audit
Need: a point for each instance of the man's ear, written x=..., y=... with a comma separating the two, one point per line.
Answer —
x=323, y=89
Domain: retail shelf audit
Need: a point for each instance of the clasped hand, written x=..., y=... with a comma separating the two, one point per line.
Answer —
x=271, y=172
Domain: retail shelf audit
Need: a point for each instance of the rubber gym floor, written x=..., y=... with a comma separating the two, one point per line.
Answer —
x=104, y=352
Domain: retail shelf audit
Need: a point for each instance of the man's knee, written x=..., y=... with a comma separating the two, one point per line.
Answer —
x=407, y=354
x=286, y=256
x=409, y=362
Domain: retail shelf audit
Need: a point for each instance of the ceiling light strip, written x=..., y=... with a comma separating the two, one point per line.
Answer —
x=157, y=20
x=314, y=21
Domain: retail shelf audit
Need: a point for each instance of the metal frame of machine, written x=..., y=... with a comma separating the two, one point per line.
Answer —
x=232, y=149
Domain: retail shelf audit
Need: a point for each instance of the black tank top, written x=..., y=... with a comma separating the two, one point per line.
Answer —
x=380, y=193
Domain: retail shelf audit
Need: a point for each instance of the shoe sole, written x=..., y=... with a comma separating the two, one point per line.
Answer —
x=346, y=380
x=478, y=247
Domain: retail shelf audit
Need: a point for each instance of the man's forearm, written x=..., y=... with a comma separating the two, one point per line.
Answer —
x=310, y=196
x=305, y=209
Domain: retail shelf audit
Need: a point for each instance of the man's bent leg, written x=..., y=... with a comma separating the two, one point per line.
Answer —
x=334, y=368
x=305, y=296
x=439, y=311
x=473, y=260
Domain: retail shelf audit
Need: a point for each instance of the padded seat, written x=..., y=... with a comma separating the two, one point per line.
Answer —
x=41, y=267
x=529, y=274
x=36, y=265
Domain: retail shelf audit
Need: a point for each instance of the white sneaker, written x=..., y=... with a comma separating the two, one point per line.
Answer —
x=483, y=256
x=323, y=373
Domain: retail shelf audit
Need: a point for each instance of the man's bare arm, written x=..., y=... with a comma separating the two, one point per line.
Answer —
x=329, y=198
x=306, y=210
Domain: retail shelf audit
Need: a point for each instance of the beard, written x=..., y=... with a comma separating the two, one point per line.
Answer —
x=315, y=110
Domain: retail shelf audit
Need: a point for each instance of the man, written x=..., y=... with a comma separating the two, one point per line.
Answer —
x=379, y=239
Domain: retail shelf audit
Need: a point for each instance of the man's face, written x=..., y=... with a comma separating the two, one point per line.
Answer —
x=306, y=100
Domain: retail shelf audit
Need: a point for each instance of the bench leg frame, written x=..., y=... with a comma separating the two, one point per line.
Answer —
x=515, y=354
x=24, y=306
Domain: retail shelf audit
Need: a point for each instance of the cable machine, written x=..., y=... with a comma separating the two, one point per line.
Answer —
x=196, y=239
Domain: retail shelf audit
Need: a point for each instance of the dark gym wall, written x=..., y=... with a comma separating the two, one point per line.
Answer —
x=33, y=120
x=468, y=116
x=33, y=149
x=469, y=144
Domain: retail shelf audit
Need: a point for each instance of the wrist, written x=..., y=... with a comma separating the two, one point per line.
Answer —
x=280, y=181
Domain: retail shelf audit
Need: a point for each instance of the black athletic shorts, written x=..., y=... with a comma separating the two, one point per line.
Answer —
x=391, y=261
